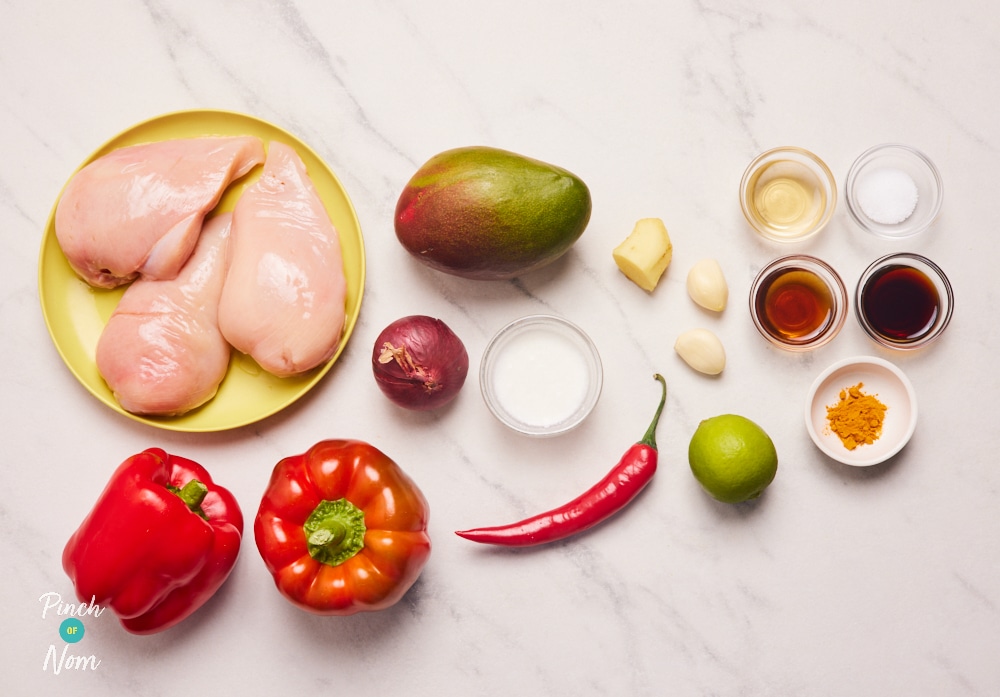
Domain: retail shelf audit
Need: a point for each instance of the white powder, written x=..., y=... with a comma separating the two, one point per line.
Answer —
x=887, y=196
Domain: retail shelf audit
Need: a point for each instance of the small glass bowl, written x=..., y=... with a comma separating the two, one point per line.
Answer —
x=788, y=194
x=541, y=375
x=919, y=303
x=893, y=191
x=809, y=295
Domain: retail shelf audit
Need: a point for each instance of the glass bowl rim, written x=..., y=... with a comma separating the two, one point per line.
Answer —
x=819, y=167
x=937, y=274
x=900, y=230
x=589, y=352
x=826, y=273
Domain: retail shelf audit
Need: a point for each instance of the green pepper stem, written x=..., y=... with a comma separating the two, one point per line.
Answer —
x=192, y=494
x=335, y=531
x=650, y=437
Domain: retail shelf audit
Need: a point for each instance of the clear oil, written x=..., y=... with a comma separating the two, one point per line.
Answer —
x=786, y=197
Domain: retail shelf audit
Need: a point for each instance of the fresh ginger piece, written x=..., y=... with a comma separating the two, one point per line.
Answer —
x=645, y=253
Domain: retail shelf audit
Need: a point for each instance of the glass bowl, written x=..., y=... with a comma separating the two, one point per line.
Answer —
x=904, y=301
x=541, y=375
x=788, y=194
x=879, y=378
x=798, y=302
x=893, y=191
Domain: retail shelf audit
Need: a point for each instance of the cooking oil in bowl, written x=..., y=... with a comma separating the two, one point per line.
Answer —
x=788, y=194
x=786, y=197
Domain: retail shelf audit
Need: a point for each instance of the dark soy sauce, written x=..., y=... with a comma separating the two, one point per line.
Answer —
x=901, y=303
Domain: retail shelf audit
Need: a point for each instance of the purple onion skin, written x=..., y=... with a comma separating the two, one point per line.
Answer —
x=419, y=363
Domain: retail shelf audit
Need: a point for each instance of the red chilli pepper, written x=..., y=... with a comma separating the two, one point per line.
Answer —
x=635, y=469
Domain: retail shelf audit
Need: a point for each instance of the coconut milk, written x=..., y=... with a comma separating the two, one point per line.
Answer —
x=540, y=377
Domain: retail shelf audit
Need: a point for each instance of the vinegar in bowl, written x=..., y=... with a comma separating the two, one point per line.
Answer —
x=795, y=304
x=798, y=302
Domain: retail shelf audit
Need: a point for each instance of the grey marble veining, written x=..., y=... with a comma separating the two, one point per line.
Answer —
x=838, y=581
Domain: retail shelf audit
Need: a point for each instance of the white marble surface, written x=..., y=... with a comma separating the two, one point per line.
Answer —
x=839, y=581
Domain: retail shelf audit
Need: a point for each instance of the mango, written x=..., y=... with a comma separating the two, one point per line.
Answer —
x=489, y=214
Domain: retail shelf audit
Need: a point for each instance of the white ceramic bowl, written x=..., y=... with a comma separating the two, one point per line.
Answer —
x=541, y=375
x=882, y=379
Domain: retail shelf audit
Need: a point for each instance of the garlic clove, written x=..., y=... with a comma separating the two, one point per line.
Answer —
x=702, y=350
x=706, y=284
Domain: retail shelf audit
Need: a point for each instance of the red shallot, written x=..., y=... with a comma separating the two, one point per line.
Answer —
x=419, y=363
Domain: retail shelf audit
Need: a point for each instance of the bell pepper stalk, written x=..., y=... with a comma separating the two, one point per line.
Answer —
x=611, y=494
x=342, y=529
x=159, y=542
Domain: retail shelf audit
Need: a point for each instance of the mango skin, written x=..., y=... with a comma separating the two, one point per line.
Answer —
x=488, y=214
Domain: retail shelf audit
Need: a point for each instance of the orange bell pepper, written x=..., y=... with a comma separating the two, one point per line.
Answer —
x=342, y=529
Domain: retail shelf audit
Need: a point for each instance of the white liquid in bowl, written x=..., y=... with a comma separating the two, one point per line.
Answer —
x=540, y=377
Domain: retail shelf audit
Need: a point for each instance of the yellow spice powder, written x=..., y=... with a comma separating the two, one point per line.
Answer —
x=857, y=418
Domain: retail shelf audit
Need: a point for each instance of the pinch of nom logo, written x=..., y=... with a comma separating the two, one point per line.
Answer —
x=71, y=631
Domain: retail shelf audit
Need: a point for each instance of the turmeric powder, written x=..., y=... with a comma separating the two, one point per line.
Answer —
x=857, y=418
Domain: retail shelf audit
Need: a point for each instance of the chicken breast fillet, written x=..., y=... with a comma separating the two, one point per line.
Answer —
x=137, y=211
x=161, y=351
x=283, y=302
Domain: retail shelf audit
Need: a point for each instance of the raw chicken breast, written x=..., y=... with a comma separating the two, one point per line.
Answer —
x=138, y=210
x=283, y=300
x=161, y=351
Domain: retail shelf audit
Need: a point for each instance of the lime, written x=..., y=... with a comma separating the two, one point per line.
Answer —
x=732, y=458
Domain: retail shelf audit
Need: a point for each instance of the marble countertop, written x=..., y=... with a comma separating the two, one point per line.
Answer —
x=838, y=581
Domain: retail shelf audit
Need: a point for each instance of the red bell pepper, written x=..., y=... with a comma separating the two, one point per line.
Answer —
x=342, y=529
x=159, y=542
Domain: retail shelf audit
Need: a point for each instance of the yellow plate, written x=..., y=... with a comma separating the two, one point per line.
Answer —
x=76, y=313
